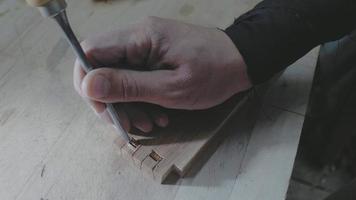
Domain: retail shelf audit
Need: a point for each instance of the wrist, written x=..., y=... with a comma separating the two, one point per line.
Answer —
x=239, y=67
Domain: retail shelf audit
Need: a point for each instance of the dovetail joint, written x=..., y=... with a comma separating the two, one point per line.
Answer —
x=134, y=143
x=155, y=156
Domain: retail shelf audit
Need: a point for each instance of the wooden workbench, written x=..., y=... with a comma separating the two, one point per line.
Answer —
x=54, y=147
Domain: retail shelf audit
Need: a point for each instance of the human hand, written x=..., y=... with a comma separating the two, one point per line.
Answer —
x=162, y=62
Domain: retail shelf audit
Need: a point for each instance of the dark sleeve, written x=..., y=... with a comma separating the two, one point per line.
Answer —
x=276, y=33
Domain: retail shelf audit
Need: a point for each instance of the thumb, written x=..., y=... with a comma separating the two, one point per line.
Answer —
x=119, y=85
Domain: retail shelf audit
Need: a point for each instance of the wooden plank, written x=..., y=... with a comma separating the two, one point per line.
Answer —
x=52, y=145
x=291, y=91
x=44, y=108
x=18, y=20
x=177, y=147
x=273, y=143
x=187, y=138
x=215, y=178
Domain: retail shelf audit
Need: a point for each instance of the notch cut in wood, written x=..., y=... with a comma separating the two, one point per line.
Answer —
x=155, y=156
x=134, y=143
x=177, y=147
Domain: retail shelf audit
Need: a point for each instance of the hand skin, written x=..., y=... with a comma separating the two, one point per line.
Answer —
x=162, y=62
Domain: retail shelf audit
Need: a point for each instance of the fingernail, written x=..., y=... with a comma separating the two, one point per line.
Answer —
x=101, y=86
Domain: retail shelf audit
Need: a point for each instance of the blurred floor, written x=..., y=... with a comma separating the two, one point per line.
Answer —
x=309, y=183
x=326, y=156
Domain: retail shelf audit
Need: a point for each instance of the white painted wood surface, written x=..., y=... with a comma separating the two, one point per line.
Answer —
x=53, y=146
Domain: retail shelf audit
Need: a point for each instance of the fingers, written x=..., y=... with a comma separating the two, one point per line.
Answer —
x=139, y=118
x=100, y=110
x=117, y=85
x=135, y=115
x=78, y=76
x=128, y=47
x=106, y=48
x=124, y=118
x=160, y=118
x=131, y=45
x=113, y=48
x=157, y=115
x=96, y=106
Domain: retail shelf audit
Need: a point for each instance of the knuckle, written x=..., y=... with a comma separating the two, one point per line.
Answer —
x=184, y=79
x=184, y=90
x=176, y=95
x=155, y=30
x=128, y=88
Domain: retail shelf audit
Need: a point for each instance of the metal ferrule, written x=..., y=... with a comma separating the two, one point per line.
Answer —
x=53, y=8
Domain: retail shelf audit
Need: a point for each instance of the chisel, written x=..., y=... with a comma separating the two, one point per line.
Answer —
x=56, y=10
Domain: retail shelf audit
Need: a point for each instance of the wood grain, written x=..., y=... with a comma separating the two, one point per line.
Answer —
x=47, y=123
x=175, y=148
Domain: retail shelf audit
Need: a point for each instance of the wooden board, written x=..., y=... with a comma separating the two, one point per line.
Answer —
x=54, y=147
x=175, y=148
